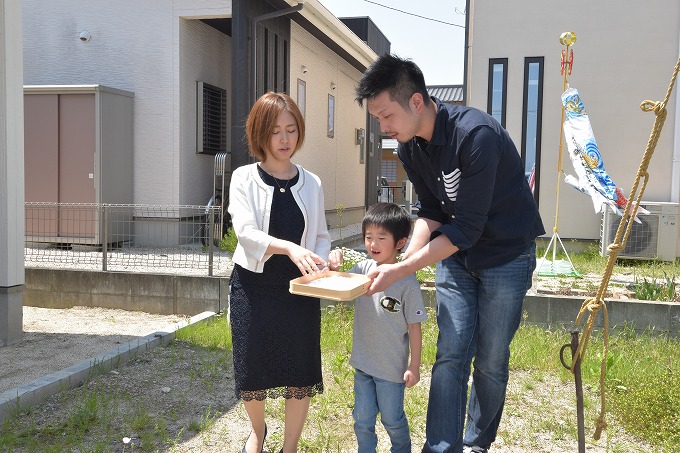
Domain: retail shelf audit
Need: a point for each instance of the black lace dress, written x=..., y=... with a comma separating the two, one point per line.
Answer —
x=275, y=334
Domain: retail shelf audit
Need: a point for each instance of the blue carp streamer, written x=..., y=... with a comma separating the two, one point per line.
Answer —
x=591, y=177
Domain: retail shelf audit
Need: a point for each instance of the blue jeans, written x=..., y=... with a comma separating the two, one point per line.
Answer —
x=478, y=313
x=373, y=395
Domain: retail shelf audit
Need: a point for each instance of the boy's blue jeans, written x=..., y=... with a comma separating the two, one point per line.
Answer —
x=373, y=395
x=478, y=313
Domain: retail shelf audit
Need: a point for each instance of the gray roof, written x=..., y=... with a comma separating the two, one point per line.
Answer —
x=447, y=93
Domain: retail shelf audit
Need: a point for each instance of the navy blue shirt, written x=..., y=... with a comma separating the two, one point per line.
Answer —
x=469, y=177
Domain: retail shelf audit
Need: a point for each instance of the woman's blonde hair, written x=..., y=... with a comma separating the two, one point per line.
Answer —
x=262, y=121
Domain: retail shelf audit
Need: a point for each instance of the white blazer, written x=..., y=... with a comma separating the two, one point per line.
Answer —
x=250, y=204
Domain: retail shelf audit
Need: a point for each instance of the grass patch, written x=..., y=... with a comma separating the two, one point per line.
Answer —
x=653, y=279
x=642, y=377
x=212, y=334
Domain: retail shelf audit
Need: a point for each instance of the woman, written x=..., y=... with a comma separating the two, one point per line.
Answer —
x=277, y=209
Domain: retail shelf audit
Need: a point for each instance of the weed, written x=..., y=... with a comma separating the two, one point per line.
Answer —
x=340, y=210
x=141, y=420
x=653, y=290
x=229, y=241
x=425, y=274
x=208, y=419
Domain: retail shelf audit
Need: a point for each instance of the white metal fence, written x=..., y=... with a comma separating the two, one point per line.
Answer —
x=130, y=238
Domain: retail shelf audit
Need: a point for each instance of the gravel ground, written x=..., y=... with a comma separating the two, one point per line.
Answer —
x=56, y=339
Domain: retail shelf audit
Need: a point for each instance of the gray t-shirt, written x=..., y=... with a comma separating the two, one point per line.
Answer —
x=380, y=344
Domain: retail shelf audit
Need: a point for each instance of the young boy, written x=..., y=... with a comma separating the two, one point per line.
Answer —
x=385, y=325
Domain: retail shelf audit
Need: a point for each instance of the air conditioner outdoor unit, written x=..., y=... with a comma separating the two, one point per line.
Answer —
x=654, y=238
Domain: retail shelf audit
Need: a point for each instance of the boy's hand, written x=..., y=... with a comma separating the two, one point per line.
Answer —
x=335, y=259
x=411, y=377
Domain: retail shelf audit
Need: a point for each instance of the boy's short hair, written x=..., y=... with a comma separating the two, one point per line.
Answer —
x=401, y=78
x=262, y=121
x=389, y=216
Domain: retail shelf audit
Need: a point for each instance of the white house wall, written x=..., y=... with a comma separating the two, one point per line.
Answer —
x=205, y=56
x=135, y=46
x=336, y=160
x=624, y=53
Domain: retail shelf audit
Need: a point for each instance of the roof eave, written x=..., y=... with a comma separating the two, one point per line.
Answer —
x=329, y=25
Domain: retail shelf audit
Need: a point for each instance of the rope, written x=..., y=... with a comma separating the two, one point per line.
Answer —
x=593, y=305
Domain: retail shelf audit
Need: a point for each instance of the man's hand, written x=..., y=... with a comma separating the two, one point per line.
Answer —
x=382, y=277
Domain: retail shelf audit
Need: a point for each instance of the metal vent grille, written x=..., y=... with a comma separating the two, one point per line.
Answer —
x=655, y=237
x=643, y=239
x=211, y=124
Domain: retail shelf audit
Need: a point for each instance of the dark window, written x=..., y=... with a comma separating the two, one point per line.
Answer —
x=498, y=92
x=211, y=121
x=532, y=113
x=272, y=58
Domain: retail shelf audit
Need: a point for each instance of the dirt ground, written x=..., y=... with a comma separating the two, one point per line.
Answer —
x=56, y=339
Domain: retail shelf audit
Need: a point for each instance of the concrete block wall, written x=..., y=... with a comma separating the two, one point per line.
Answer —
x=190, y=295
x=151, y=293
x=642, y=316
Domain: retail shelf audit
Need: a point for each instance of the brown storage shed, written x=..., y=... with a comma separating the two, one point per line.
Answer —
x=78, y=149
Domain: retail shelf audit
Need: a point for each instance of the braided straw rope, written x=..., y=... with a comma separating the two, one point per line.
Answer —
x=594, y=304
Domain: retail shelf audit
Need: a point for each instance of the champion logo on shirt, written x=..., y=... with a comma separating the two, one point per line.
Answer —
x=390, y=304
x=451, y=182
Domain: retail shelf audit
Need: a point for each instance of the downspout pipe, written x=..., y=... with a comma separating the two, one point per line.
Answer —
x=254, y=21
x=466, y=85
x=675, y=169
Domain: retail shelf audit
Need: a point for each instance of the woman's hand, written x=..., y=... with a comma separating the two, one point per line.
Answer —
x=335, y=259
x=306, y=261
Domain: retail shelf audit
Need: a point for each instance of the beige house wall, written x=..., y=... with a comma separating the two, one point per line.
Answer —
x=625, y=53
x=336, y=160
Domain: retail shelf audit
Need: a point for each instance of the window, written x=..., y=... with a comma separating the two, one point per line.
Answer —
x=211, y=119
x=302, y=96
x=331, y=116
x=388, y=170
x=272, y=56
x=532, y=113
x=498, y=93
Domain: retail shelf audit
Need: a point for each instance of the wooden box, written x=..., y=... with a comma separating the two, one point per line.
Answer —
x=357, y=284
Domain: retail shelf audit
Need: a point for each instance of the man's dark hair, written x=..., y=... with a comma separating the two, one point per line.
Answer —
x=399, y=77
x=389, y=216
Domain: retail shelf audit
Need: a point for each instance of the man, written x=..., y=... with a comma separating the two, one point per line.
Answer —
x=478, y=220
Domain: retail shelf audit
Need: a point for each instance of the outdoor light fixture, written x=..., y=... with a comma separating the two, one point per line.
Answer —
x=84, y=36
x=304, y=69
x=333, y=85
x=359, y=135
